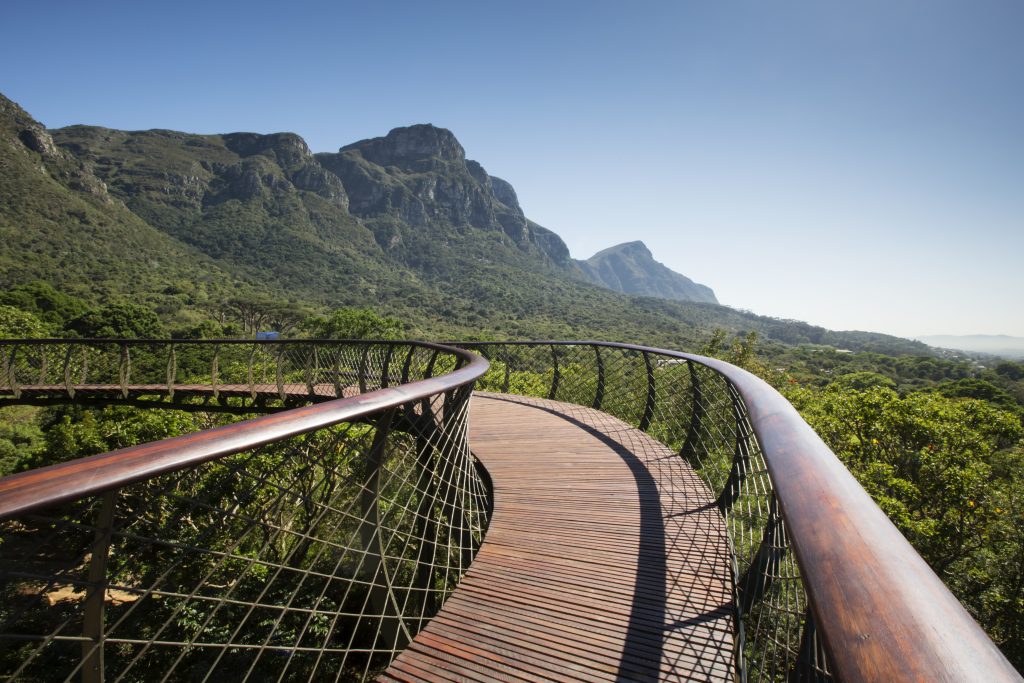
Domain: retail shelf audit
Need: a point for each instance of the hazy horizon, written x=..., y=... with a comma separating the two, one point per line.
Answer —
x=855, y=167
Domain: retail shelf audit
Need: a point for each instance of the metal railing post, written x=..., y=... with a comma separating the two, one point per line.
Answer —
x=652, y=396
x=95, y=594
x=599, y=390
x=741, y=454
x=555, y=376
x=124, y=369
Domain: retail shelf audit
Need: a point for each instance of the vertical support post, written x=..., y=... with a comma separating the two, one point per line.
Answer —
x=508, y=375
x=599, y=391
x=407, y=364
x=252, y=360
x=426, y=528
x=95, y=594
x=214, y=369
x=85, y=365
x=363, y=364
x=689, y=451
x=69, y=383
x=741, y=454
x=429, y=372
x=172, y=371
x=310, y=365
x=279, y=372
x=652, y=396
x=124, y=369
x=763, y=569
x=384, y=380
x=9, y=374
x=810, y=660
x=393, y=630
x=555, y=376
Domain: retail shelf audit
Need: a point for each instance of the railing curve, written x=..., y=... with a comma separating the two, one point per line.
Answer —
x=313, y=542
x=827, y=588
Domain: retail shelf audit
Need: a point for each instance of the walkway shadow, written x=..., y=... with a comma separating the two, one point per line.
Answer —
x=681, y=619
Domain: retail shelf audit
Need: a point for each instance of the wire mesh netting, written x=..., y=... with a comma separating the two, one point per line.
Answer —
x=315, y=557
x=251, y=373
x=695, y=411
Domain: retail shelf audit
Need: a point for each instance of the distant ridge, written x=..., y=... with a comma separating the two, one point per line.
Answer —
x=630, y=268
x=993, y=344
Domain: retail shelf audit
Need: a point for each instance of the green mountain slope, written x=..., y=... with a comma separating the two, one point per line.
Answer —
x=403, y=223
x=59, y=223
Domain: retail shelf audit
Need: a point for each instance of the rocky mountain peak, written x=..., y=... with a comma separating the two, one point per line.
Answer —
x=633, y=249
x=630, y=268
x=404, y=146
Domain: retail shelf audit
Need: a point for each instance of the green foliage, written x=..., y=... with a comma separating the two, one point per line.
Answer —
x=864, y=380
x=119, y=320
x=46, y=303
x=353, y=323
x=949, y=473
x=981, y=390
x=18, y=324
x=21, y=439
x=74, y=432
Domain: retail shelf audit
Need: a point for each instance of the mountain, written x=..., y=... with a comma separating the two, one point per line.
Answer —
x=60, y=223
x=630, y=268
x=404, y=223
x=992, y=344
x=418, y=177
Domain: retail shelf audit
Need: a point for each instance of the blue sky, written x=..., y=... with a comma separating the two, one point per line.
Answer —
x=855, y=165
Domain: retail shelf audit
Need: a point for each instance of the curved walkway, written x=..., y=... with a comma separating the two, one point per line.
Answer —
x=605, y=559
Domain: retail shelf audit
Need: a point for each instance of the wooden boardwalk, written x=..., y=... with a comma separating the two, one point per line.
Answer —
x=605, y=560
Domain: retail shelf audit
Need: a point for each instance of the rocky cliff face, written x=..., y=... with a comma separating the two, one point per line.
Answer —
x=292, y=156
x=630, y=268
x=420, y=175
x=16, y=124
x=409, y=199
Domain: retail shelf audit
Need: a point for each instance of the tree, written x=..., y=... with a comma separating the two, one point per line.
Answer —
x=861, y=381
x=949, y=472
x=18, y=324
x=353, y=323
x=119, y=320
x=43, y=301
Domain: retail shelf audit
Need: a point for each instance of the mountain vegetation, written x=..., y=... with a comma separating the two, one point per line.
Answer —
x=201, y=227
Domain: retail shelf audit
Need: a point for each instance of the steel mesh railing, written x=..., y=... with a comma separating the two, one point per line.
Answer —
x=313, y=553
x=253, y=373
x=697, y=412
x=315, y=543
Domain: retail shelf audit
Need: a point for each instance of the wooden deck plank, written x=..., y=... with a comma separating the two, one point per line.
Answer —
x=605, y=559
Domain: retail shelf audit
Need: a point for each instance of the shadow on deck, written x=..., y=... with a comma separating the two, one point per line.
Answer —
x=605, y=559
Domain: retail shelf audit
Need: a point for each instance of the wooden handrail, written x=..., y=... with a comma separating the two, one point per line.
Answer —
x=883, y=613
x=40, y=488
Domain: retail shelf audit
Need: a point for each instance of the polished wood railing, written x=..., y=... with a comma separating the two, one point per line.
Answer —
x=825, y=586
x=309, y=543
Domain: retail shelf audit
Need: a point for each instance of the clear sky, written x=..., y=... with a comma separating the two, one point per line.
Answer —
x=858, y=165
